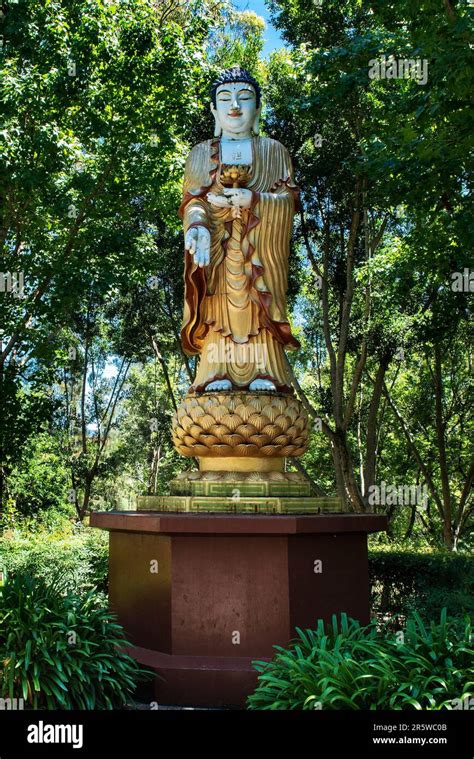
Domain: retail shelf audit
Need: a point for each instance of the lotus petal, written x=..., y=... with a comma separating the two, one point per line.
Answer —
x=195, y=431
x=219, y=430
x=259, y=421
x=246, y=450
x=232, y=439
x=209, y=440
x=231, y=421
x=282, y=421
x=244, y=411
x=272, y=429
x=186, y=422
x=271, y=412
x=206, y=421
x=271, y=450
x=260, y=440
x=246, y=430
x=277, y=476
x=195, y=413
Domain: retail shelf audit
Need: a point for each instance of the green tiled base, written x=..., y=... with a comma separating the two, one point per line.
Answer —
x=237, y=488
x=246, y=504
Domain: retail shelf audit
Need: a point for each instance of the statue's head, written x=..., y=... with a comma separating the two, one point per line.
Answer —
x=235, y=103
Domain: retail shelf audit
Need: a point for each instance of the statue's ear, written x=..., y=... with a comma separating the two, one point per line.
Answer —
x=217, y=127
x=256, y=123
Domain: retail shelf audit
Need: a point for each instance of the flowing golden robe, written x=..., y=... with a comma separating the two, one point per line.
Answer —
x=235, y=308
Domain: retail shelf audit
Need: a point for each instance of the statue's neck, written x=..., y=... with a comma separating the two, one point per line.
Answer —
x=229, y=136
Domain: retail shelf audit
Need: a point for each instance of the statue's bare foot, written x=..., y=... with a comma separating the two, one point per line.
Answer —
x=219, y=385
x=262, y=384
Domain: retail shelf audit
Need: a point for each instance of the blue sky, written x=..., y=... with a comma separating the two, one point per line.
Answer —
x=271, y=36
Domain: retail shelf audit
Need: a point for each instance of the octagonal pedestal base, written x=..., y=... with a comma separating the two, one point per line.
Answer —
x=203, y=595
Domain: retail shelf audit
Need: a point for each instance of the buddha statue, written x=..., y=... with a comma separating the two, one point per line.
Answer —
x=239, y=199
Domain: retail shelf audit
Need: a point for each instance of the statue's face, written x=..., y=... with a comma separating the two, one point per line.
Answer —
x=236, y=108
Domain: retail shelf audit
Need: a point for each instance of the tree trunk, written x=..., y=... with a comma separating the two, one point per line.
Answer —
x=443, y=467
x=87, y=496
x=371, y=436
x=347, y=468
x=340, y=487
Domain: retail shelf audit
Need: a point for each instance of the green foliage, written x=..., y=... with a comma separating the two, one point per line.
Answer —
x=102, y=102
x=399, y=150
x=147, y=448
x=79, y=555
x=346, y=666
x=239, y=42
x=98, y=98
x=39, y=481
x=426, y=581
x=61, y=651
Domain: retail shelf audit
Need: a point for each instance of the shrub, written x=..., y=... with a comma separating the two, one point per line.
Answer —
x=39, y=482
x=404, y=580
x=79, y=554
x=358, y=667
x=59, y=650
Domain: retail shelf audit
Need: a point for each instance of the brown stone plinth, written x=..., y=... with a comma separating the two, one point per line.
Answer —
x=228, y=588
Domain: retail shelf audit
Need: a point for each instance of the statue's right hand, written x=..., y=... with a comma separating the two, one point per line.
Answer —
x=198, y=242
